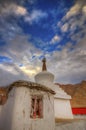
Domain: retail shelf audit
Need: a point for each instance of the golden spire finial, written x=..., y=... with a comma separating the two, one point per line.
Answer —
x=44, y=64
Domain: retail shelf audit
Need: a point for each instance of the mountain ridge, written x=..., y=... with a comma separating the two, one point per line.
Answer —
x=77, y=92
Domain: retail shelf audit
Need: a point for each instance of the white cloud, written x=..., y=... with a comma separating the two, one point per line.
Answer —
x=84, y=9
x=77, y=8
x=69, y=66
x=13, y=8
x=9, y=30
x=35, y=16
x=21, y=52
x=64, y=28
x=74, y=10
x=55, y=39
x=10, y=73
x=75, y=19
x=20, y=10
x=30, y=70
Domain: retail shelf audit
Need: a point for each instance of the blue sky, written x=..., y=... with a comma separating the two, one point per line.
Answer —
x=32, y=29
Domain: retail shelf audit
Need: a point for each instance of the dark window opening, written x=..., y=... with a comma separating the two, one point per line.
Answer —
x=36, y=107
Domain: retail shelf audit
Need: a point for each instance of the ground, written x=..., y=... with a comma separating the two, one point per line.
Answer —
x=76, y=124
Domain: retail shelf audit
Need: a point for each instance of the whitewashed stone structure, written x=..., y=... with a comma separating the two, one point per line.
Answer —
x=33, y=106
x=15, y=114
x=62, y=105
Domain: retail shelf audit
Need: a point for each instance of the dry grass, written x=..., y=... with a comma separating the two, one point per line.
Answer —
x=67, y=120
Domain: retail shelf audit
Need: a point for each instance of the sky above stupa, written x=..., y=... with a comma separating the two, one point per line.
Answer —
x=33, y=29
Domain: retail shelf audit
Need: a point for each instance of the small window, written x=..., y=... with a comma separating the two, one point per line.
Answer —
x=36, y=107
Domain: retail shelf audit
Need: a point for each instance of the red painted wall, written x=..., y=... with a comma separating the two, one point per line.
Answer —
x=79, y=111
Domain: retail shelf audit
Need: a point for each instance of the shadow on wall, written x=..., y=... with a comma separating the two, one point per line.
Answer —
x=6, y=111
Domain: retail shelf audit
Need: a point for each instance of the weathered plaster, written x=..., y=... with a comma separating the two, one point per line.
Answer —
x=15, y=114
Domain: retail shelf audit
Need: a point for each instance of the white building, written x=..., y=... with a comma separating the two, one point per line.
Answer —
x=32, y=105
x=29, y=107
x=62, y=105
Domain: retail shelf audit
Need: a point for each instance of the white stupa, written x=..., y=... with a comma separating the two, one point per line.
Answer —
x=62, y=105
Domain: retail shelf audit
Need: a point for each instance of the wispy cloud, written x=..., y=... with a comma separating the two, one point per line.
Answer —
x=10, y=13
x=55, y=39
x=12, y=8
x=73, y=11
x=20, y=49
x=74, y=22
x=64, y=27
x=84, y=9
x=69, y=66
x=10, y=73
x=78, y=9
x=22, y=52
x=35, y=16
x=20, y=10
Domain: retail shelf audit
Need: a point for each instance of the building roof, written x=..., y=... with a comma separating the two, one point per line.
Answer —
x=78, y=93
x=5, y=90
x=30, y=85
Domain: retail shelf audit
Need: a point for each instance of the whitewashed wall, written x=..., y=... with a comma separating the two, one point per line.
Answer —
x=62, y=109
x=16, y=110
x=15, y=114
x=48, y=121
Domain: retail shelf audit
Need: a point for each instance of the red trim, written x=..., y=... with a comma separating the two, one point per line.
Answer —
x=80, y=111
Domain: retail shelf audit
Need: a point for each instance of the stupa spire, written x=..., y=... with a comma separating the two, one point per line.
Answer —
x=44, y=68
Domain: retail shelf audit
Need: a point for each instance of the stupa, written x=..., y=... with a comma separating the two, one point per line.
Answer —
x=62, y=105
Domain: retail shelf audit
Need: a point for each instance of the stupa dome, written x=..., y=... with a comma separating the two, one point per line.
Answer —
x=44, y=76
